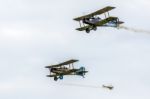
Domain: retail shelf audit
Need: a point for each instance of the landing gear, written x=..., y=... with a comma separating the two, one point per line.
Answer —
x=61, y=77
x=87, y=30
x=55, y=78
x=94, y=28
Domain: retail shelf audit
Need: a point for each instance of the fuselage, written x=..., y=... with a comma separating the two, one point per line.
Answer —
x=91, y=21
x=60, y=71
x=67, y=71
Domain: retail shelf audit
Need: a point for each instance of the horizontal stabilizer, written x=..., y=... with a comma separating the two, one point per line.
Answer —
x=120, y=22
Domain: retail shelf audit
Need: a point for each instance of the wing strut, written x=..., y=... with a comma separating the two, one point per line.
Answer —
x=80, y=23
x=105, y=15
x=72, y=66
x=69, y=66
x=108, y=14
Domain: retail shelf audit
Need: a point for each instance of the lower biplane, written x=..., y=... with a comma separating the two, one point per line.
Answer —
x=66, y=68
x=92, y=21
x=110, y=87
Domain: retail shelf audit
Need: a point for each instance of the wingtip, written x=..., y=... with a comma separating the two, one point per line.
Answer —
x=75, y=19
x=48, y=76
x=112, y=7
x=46, y=66
x=75, y=60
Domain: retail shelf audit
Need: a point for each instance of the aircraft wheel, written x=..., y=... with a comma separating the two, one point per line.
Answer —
x=55, y=78
x=94, y=28
x=87, y=30
x=61, y=77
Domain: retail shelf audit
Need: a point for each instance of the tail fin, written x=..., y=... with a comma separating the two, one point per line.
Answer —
x=81, y=71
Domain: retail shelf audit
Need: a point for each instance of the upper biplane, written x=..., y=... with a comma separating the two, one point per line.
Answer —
x=66, y=68
x=92, y=21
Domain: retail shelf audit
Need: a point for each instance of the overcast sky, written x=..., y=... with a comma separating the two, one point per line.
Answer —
x=36, y=33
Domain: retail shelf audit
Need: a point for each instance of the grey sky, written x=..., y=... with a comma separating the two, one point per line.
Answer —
x=35, y=33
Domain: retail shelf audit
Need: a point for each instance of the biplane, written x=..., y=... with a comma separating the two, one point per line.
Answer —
x=92, y=21
x=110, y=87
x=66, y=68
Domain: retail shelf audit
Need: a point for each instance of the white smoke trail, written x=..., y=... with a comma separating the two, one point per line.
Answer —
x=134, y=29
x=81, y=85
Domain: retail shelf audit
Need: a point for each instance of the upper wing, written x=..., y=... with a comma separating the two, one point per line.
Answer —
x=101, y=11
x=51, y=66
x=64, y=63
x=68, y=62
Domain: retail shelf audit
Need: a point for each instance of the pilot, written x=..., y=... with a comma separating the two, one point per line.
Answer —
x=95, y=20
